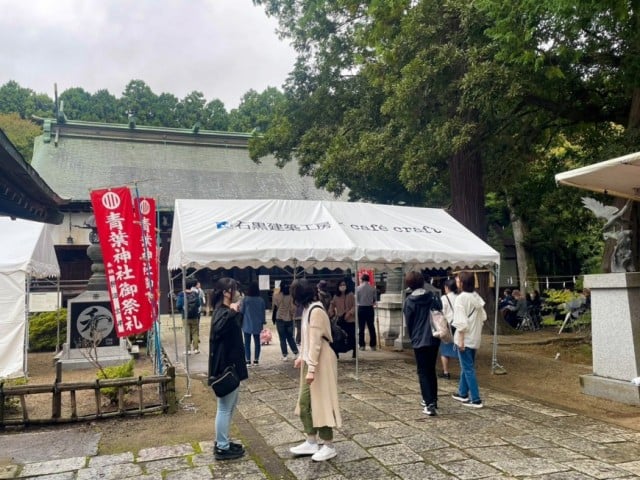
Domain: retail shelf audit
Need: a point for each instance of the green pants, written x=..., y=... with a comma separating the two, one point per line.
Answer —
x=325, y=433
x=192, y=327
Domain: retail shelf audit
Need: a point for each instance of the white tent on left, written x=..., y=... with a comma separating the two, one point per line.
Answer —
x=26, y=251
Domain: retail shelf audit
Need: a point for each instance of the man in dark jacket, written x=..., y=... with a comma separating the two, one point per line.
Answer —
x=192, y=319
x=417, y=312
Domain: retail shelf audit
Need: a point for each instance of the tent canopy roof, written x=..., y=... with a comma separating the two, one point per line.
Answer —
x=253, y=233
x=28, y=247
x=619, y=177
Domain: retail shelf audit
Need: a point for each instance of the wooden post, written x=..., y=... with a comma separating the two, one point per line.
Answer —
x=2, y=399
x=56, y=404
x=170, y=392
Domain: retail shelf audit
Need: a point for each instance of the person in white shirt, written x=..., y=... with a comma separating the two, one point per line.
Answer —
x=468, y=318
x=447, y=350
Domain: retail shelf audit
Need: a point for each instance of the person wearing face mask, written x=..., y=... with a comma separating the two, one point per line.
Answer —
x=343, y=309
x=226, y=348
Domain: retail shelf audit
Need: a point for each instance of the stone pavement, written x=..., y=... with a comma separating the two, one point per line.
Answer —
x=384, y=436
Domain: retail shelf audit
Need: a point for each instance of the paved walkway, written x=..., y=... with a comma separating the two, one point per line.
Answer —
x=384, y=436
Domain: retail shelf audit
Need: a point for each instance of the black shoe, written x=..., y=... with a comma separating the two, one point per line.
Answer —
x=430, y=410
x=445, y=375
x=237, y=447
x=228, y=454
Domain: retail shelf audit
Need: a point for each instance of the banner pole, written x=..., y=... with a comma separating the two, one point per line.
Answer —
x=185, y=326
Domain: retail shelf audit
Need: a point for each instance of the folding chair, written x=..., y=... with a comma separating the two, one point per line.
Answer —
x=526, y=323
x=575, y=309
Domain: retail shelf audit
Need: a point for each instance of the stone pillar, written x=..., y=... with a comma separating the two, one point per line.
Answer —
x=615, y=330
x=389, y=311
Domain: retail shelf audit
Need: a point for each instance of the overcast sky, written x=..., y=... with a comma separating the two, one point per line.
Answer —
x=222, y=48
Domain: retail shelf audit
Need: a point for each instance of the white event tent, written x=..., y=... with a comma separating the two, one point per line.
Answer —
x=26, y=251
x=304, y=233
x=253, y=233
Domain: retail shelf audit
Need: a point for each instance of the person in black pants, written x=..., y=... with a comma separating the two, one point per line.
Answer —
x=366, y=299
x=417, y=309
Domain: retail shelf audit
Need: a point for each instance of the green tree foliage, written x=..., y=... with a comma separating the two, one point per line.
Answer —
x=43, y=330
x=24, y=101
x=76, y=103
x=20, y=132
x=434, y=100
x=139, y=101
x=256, y=110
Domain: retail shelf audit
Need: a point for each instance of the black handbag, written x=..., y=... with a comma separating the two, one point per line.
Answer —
x=226, y=383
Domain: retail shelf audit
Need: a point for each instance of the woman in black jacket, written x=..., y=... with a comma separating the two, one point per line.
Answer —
x=226, y=348
x=417, y=309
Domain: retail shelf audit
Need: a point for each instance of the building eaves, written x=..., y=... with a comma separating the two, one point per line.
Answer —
x=23, y=193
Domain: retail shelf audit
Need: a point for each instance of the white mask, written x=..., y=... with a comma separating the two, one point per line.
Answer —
x=235, y=297
x=343, y=288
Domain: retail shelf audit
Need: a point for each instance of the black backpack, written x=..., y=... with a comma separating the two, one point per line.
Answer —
x=340, y=342
x=193, y=305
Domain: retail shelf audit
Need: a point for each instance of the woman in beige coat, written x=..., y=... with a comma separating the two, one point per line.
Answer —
x=318, y=399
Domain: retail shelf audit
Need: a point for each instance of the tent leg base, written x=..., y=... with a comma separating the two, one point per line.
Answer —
x=497, y=369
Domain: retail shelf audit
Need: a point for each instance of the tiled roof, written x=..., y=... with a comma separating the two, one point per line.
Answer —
x=23, y=194
x=76, y=157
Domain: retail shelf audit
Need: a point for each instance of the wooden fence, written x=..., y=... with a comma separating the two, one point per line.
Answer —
x=60, y=412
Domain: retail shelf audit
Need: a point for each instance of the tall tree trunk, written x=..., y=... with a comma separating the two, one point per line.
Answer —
x=467, y=206
x=526, y=267
x=467, y=191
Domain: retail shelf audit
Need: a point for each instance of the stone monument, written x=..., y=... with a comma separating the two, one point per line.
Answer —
x=615, y=329
x=90, y=325
x=390, y=319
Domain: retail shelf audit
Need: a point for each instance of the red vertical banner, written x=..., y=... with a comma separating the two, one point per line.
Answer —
x=145, y=209
x=120, y=239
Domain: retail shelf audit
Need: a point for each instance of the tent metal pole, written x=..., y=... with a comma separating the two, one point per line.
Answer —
x=355, y=344
x=185, y=326
x=25, y=364
x=496, y=368
x=403, y=294
x=173, y=314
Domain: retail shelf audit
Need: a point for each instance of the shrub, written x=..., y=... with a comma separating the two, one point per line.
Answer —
x=43, y=330
x=11, y=404
x=118, y=371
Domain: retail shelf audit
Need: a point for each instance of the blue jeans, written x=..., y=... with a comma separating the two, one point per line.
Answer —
x=468, y=381
x=247, y=346
x=224, y=412
x=285, y=332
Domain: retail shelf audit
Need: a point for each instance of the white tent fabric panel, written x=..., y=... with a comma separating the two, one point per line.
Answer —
x=12, y=324
x=619, y=177
x=253, y=233
x=27, y=247
x=410, y=235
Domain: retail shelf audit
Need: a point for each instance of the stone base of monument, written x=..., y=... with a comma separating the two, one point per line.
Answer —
x=615, y=331
x=90, y=331
x=389, y=312
x=610, y=388
x=74, y=359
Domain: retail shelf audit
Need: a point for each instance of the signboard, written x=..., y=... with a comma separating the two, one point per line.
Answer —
x=44, y=301
x=263, y=282
x=91, y=322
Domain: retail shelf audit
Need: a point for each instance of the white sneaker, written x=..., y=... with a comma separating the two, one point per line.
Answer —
x=325, y=453
x=285, y=358
x=306, y=448
x=196, y=351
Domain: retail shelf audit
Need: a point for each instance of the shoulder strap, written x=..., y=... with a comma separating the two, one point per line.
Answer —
x=472, y=310
x=449, y=300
